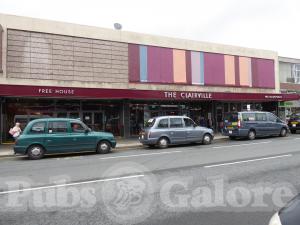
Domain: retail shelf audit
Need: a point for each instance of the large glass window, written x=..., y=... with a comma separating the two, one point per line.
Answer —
x=296, y=73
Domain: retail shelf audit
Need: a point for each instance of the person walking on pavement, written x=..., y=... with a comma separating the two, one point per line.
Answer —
x=15, y=131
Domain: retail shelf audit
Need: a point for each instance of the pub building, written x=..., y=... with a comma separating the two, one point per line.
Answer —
x=116, y=80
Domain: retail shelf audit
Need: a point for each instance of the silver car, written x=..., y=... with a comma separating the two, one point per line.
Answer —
x=168, y=130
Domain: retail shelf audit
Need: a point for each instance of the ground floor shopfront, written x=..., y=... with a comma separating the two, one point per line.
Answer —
x=123, y=112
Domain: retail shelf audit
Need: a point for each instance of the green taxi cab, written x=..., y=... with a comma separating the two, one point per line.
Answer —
x=61, y=135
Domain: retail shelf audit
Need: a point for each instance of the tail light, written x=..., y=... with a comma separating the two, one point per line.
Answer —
x=239, y=123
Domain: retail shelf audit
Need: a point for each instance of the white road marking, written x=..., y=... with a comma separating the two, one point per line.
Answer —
x=296, y=138
x=229, y=146
x=138, y=155
x=246, y=161
x=71, y=184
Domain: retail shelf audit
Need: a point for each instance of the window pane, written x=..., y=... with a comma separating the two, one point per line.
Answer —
x=38, y=127
x=272, y=117
x=150, y=123
x=261, y=117
x=248, y=116
x=188, y=122
x=176, y=122
x=57, y=127
x=77, y=127
x=163, y=123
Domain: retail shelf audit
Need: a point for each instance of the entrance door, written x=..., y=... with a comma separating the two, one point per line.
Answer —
x=98, y=121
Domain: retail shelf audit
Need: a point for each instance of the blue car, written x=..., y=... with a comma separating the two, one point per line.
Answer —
x=252, y=124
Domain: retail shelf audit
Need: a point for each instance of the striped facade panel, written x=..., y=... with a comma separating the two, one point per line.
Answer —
x=166, y=67
x=229, y=70
x=245, y=69
x=143, y=64
x=263, y=73
x=179, y=66
x=154, y=64
x=214, y=69
x=196, y=72
x=134, y=63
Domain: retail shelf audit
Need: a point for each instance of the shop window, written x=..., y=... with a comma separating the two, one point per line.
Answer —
x=38, y=127
x=163, y=123
x=57, y=127
x=296, y=73
x=176, y=122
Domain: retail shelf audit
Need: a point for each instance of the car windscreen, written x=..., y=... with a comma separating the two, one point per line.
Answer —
x=150, y=123
x=295, y=116
x=231, y=117
x=289, y=215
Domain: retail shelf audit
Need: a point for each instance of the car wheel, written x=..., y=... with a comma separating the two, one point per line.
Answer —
x=163, y=142
x=283, y=132
x=293, y=131
x=103, y=147
x=35, y=152
x=251, y=135
x=206, y=139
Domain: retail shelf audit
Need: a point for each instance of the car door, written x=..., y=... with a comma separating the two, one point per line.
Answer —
x=193, y=133
x=261, y=127
x=82, y=137
x=58, y=138
x=177, y=132
x=273, y=125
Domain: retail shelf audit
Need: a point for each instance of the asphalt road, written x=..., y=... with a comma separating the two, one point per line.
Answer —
x=226, y=183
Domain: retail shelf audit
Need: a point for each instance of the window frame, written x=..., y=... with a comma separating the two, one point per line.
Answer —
x=82, y=124
x=45, y=127
x=163, y=127
x=193, y=122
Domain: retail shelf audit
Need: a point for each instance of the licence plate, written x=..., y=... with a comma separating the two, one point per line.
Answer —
x=230, y=132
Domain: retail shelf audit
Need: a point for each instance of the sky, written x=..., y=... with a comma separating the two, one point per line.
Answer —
x=263, y=24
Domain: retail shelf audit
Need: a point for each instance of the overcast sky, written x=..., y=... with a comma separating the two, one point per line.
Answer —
x=265, y=24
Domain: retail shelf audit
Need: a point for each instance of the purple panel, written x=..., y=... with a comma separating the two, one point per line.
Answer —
x=166, y=57
x=255, y=80
x=133, y=63
x=265, y=73
x=237, y=71
x=154, y=63
x=214, y=69
x=188, y=67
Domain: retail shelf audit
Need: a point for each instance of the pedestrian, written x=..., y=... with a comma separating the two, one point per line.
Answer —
x=15, y=131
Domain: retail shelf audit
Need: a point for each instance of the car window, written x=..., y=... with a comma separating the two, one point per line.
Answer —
x=188, y=122
x=150, y=123
x=261, y=117
x=248, y=116
x=272, y=117
x=176, y=122
x=163, y=123
x=231, y=117
x=77, y=127
x=38, y=127
x=58, y=127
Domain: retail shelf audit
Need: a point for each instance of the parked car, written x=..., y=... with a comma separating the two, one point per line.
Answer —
x=168, y=130
x=294, y=123
x=252, y=124
x=288, y=215
x=57, y=135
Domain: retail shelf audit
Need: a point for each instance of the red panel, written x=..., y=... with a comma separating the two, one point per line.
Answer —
x=154, y=64
x=237, y=70
x=133, y=63
x=188, y=67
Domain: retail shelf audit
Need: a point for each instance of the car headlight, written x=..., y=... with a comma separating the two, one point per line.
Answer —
x=275, y=220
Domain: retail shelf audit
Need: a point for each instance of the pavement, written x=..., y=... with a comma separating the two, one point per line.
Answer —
x=230, y=182
x=122, y=144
